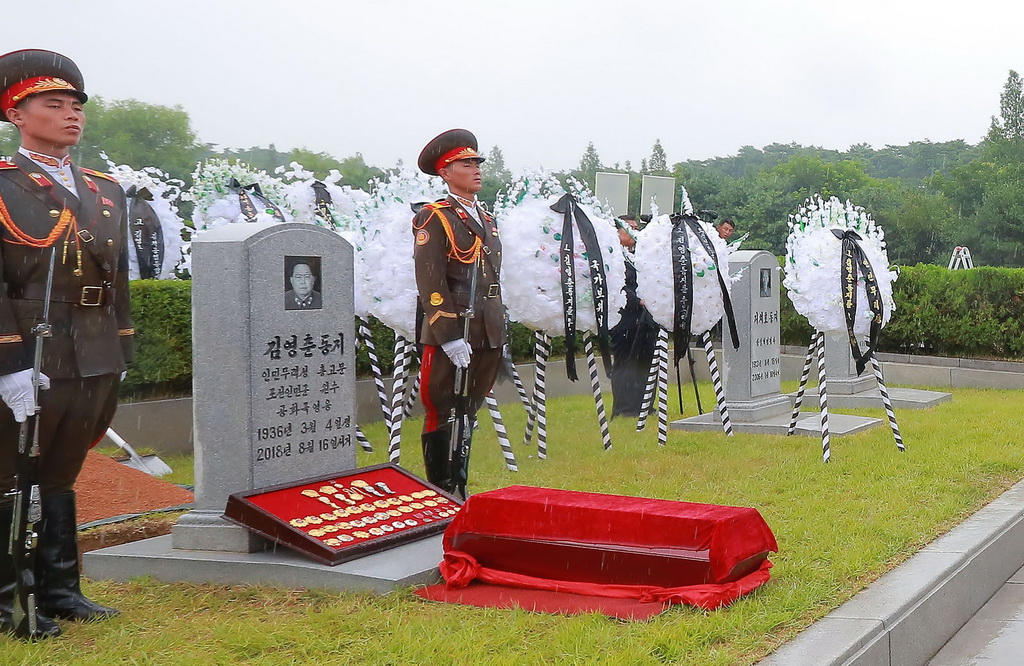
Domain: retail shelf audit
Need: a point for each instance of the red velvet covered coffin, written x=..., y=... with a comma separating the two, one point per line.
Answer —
x=606, y=546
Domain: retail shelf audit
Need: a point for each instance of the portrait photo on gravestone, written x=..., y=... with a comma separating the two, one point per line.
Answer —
x=302, y=284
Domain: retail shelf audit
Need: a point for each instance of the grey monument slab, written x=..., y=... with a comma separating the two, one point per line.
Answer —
x=752, y=377
x=273, y=403
x=273, y=378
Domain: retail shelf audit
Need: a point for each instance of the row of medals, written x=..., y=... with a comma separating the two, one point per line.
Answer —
x=388, y=514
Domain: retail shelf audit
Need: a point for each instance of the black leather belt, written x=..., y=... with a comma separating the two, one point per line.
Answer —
x=88, y=296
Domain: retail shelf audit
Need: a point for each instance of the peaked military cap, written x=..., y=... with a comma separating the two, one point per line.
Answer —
x=448, y=147
x=32, y=71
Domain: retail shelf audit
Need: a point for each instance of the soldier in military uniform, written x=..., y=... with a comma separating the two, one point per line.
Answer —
x=455, y=238
x=48, y=204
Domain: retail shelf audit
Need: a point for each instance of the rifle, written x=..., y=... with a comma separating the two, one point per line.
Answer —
x=462, y=428
x=28, y=509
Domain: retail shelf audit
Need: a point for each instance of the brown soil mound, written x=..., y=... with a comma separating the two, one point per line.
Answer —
x=106, y=488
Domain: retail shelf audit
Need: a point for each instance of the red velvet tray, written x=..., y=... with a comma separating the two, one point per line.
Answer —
x=370, y=509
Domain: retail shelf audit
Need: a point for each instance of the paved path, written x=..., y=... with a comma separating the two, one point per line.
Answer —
x=994, y=636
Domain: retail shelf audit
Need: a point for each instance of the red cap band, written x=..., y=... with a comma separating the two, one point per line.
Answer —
x=36, y=84
x=454, y=155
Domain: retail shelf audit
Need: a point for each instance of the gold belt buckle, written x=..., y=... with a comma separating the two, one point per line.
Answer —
x=493, y=290
x=87, y=299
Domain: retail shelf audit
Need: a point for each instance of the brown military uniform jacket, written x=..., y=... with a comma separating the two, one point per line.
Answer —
x=90, y=313
x=450, y=246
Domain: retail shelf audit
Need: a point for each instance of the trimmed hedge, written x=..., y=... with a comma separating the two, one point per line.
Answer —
x=970, y=313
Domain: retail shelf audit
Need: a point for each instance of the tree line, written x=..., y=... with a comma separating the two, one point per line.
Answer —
x=929, y=197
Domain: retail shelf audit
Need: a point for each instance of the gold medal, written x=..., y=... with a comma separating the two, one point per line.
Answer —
x=310, y=493
x=416, y=505
x=346, y=537
x=327, y=490
x=358, y=523
x=333, y=543
x=316, y=533
x=297, y=522
x=376, y=531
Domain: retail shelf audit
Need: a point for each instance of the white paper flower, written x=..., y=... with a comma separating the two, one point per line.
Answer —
x=166, y=191
x=656, y=285
x=383, y=239
x=531, y=236
x=216, y=204
x=813, y=264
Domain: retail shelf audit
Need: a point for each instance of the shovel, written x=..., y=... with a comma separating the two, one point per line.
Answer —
x=150, y=464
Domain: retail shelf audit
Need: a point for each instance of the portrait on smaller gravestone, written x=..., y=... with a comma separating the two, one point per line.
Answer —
x=766, y=282
x=302, y=283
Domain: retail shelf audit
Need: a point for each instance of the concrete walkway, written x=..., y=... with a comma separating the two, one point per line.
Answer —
x=994, y=636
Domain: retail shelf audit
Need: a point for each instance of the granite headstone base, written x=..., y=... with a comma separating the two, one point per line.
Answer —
x=808, y=424
x=870, y=398
x=409, y=564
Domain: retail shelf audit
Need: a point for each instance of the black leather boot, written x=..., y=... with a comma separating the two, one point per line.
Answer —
x=460, y=470
x=45, y=627
x=435, y=458
x=60, y=591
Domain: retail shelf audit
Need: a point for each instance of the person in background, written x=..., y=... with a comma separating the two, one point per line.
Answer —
x=633, y=338
x=725, y=229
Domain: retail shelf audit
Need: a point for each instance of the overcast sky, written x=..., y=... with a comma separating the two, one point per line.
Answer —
x=542, y=78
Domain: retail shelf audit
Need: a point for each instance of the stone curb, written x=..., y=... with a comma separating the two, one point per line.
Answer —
x=906, y=616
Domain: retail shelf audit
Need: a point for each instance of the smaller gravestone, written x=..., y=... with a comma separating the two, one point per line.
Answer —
x=840, y=369
x=273, y=368
x=753, y=373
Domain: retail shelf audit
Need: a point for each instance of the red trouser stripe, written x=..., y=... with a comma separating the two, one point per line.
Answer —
x=426, y=363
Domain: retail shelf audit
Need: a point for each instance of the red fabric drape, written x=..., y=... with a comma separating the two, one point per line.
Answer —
x=460, y=569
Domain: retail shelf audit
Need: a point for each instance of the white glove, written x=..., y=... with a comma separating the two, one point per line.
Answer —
x=16, y=391
x=458, y=351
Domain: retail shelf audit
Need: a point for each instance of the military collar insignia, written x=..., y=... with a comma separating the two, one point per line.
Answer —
x=52, y=162
x=91, y=185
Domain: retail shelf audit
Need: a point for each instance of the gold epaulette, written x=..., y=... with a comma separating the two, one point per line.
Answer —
x=105, y=176
x=444, y=203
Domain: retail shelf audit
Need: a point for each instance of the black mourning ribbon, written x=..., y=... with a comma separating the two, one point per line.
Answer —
x=853, y=257
x=682, y=273
x=571, y=211
x=324, y=203
x=245, y=201
x=147, y=235
x=682, y=280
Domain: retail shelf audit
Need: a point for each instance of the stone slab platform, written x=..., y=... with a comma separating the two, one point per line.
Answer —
x=901, y=398
x=809, y=424
x=409, y=564
x=907, y=615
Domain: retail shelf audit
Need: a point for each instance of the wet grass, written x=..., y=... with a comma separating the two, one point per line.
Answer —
x=839, y=527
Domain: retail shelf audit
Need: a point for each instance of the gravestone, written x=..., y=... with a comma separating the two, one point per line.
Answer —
x=753, y=373
x=273, y=381
x=273, y=403
x=848, y=391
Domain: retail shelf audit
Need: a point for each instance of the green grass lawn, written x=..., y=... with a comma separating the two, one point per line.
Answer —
x=839, y=526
